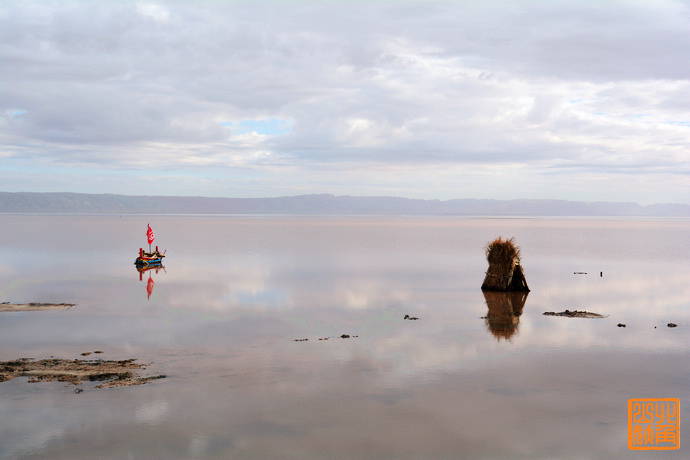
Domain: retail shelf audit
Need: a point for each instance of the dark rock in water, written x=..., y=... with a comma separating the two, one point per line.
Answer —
x=574, y=314
x=411, y=318
x=672, y=325
x=344, y=336
x=301, y=340
x=621, y=325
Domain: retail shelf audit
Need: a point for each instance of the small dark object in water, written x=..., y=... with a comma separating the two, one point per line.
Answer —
x=344, y=336
x=601, y=274
x=86, y=353
x=301, y=340
x=78, y=390
x=621, y=325
x=580, y=273
x=411, y=318
x=672, y=325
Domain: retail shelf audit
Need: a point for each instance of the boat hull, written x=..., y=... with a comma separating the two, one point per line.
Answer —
x=140, y=261
x=149, y=258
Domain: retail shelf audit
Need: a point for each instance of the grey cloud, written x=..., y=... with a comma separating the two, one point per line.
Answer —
x=538, y=83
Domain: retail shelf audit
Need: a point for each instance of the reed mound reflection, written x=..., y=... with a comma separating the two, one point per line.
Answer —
x=504, y=311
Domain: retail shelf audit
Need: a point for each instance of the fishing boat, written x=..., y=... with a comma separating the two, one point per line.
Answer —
x=152, y=257
x=149, y=258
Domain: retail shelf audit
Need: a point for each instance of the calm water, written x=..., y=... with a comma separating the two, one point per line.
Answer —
x=222, y=318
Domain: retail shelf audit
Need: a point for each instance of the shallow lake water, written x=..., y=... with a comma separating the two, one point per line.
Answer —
x=477, y=376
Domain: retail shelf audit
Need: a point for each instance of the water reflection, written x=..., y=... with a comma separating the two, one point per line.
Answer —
x=504, y=311
x=153, y=268
x=241, y=386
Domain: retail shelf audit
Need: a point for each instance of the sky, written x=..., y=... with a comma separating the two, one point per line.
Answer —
x=577, y=100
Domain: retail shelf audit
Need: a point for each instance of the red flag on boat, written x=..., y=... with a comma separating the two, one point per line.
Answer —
x=149, y=234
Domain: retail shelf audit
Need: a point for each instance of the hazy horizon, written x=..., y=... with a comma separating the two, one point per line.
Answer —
x=316, y=193
x=325, y=204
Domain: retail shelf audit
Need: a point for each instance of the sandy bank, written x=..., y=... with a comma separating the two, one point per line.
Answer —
x=112, y=373
x=34, y=306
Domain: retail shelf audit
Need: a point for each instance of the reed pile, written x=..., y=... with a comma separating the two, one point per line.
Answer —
x=505, y=272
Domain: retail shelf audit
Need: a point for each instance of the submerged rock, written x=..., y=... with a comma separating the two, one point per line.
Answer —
x=575, y=314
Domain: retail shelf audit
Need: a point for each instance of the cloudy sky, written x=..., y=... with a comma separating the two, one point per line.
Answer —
x=578, y=100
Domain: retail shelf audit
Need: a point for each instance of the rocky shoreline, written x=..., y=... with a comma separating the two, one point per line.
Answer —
x=77, y=371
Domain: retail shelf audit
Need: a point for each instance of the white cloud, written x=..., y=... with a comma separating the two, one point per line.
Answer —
x=545, y=93
x=156, y=12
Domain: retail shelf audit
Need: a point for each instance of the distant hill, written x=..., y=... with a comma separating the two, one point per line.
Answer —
x=26, y=202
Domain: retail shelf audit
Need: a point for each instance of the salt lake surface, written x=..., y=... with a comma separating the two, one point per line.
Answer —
x=223, y=318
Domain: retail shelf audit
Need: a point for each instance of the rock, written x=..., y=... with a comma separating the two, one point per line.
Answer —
x=672, y=325
x=411, y=318
x=344, y=336
x=621, y=325
x=575, y=314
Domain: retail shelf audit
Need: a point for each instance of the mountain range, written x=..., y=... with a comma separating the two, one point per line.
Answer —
x=323, y=204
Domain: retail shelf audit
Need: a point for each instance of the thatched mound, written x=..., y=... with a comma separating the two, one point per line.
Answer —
x=502, y=253
x=505, y=272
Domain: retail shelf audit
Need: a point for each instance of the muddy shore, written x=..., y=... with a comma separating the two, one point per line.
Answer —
x=575, y=314
x=34, y=306
x=77, y=371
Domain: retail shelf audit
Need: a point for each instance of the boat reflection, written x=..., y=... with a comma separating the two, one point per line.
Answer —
x=504, y=310
x=151, y=268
